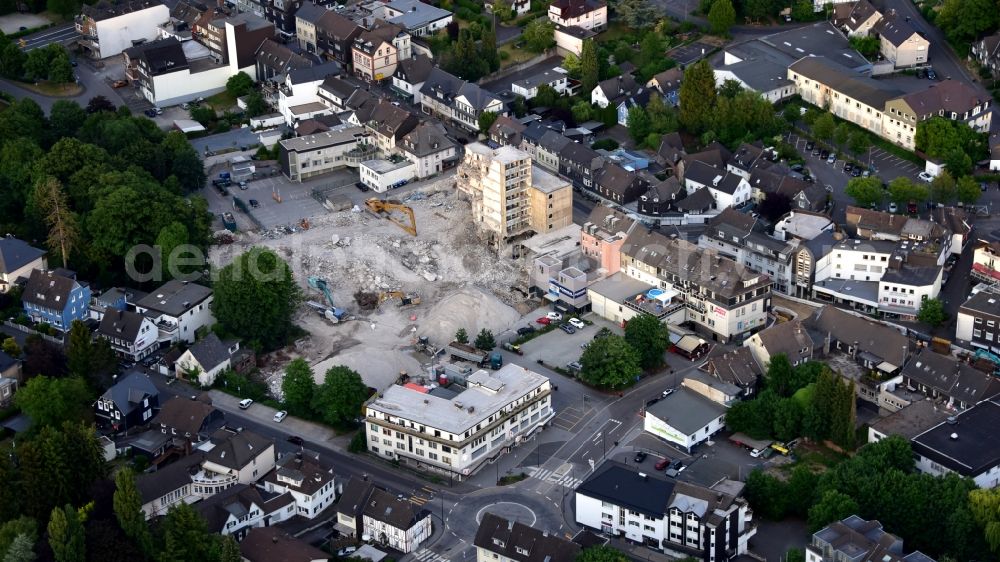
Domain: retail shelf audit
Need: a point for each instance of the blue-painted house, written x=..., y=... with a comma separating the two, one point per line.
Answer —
x=56, y=298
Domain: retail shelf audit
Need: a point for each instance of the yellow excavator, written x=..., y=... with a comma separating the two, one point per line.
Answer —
x=404, y=299
x=385, y=209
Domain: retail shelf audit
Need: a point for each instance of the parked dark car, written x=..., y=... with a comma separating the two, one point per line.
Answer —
x=525, y=330
x=931, y=75
x=639, y=457
x=810, y=145
x=254, y=203
x=361, y=186
x=797, y=168
x=824, y=154
x=676, y=464
x=856, y=172
x=847, y=167
x=921, y=73
x=568, y=328
x=295, y=440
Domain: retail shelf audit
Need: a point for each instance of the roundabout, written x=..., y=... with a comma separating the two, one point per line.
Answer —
x=531, y=508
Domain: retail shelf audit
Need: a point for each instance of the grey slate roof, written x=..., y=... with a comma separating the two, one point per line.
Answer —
x=236, y=501
x=954, y=379
x=175, y=297
x=16, y=253
x=310, y=12
x=619, y=485
x=982, y=303
x=210, y=351
x=236, y=449
x=48, y=289
x=130, y=390
x=699, y=200
x=172, y=477
x=842, y=80
x=184, y=415
x=876, y=339
x=895, y=29
x=789, y=338
x=517, y=538
x=397, y=512
x=122, y=324
x=761, y=75
x=426, y=139
x=414, y=70
x=267, y=544
x=705, y=174
x=314, y=73
x=735, y=367
x=686, y=410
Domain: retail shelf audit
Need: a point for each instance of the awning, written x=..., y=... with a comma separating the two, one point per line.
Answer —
x=689, y=344
x=887, y=367
x=551, y=297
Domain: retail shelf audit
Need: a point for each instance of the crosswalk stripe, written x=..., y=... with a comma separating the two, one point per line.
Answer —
x=426, y=555
x=419, y=500
x=541, y=473
x=427, y=489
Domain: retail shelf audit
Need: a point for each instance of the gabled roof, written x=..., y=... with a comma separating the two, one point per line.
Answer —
x=268, y=544
x=516, y=541
x=390, y=120
x=615, y=179
x=414, y=70
x=613, y=88
x=306, y=471
x=990, y=45
x=736, y=367
x=183, y=414
x=354, y=496
x=338, y=27
x=48, y=289
x=314, y=73
x=237, y=502
x=124, y=324
x=396, y=512
x=105, y=9
x=948, y=96
x=426, y=139
x=508, y=129
x=210, y=351
x=130, y=391
x=621, y=486
x=668, y=80
x=441, y=86
x=338, y=87
x=671, y=148
x=862, y=11
x=714, y=155
x=553, y=141
x=702, y=173
x=846, y=82
x=789, y=338
x=686, y=410
x=951, y=378
x=16, y=253
x=477, y=97
x=280, y=58
x=733, y=222
x=874, y=338
x=581, y=155
x=699, y=200
x=576, y=8
x=236, y=449
x=895, y=29
x=310, y=12
x=176, y=475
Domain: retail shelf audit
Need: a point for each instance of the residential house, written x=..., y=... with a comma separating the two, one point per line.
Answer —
x=129, y=403
x=233, y=457
x=417, y=18
x=710, y=387
x=854, y=538
x=56, y=298
x=659, y=199
x=502, y=540
x=276, y=60
x=964, y=444
x=697, y=202
x=587, y=14
x=506, y=131
x=738, y=368
x=956, y=383
x=388, y=125
x=10, y=368
x=861, y=19
x=619, y=185
x=671, y=154
x=191, y=418
x=310, y=484
x=265, y=544
x=986, y=52
x=179, y=309
x=335, y=92
x=613, y=90
x=994, y=154
x=131, y=335
x=727, y=189
x=430, y=148
x=787, y=338
x=900, y=43
x=367, y=510
x=950, y=99
x=206, y=359
x=376, y=52
x=298, y=95
x=986, y=262
x=678, y=518
x=685, y=418
x=185, y=18
x=668, y=84
x=335, y=35
x=528, y=87
x=239, y=508
x=410, y=76
x=580, y=164
x=603, y=235
x=17, y=260
x=978, y=319
x=168, y=486
x=872, y=344
x=546, y=153
x=108, y=28
x=453, y=98
x=739, y=236
x=765, y=76
x=570, y=39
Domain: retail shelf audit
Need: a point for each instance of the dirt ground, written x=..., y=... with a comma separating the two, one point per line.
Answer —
x=11, y=23
x=461, y=284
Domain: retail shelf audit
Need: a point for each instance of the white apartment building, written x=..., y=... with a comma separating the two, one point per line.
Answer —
x=585, y=14
x=107, y=29
x=674, y=517
x=232, y=457
x=179, y=309
x=455, y=430
x=313, y=487
x=301, y=158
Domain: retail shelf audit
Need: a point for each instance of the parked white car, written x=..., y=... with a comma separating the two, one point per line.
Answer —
x=576, y=322
x=892, y=208
x=554, y=316
x=280, y=415
x=245, y=403
x=924, y=176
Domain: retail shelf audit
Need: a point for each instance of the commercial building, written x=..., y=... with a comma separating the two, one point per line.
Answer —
x=383, y=174
x=344, y=145
x=417, y=18
x=873, y=345
x=909, y=421
x=108, y=28
x=681, y=519
x=966, y=444
x=510, y=198
x=854, y=538
x=685, y=418
x=739, y=237
x=453, y=429
x=603, y=236
x=452, y=98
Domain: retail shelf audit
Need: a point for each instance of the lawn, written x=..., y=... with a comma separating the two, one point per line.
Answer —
x=53, y=90
x=514, y=55
x=816, y=456
x=221, y=101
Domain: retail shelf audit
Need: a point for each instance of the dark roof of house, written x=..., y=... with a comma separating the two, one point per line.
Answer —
x=390, y=120
x=354, y=496
x=615, y=179
x=703, y=173
x=16, y=253
x=733, y=222
x=236, y=501
x=576, y=8
x=6, y=361
x=280, y=58
x=235, y=449
x=895, y=29
x=303, y=469
x=968, y=443
x=581, y=155
x=175, y=297
x=188, y=12
x=736, y=367
x=441, y=85
x=508, y=129
x=612, y=88
x=686, y=410
x=669, y=79
x=166, y=479
x=912, y=420
x=516, y=541
x=576, y=31
x=341, y=88
x=414, y=70
x=123, y=324
x=338, y=27
x=310, y=12
x=952, y=378
x=48, y=289
x=184, y=415
x=163, y=55
x=846, y=82
x=854, y=538
x=477, y=97
x=396, y=512
x=426, y=139
x=714, y=155
x=879, y=340
x=267, y=544
x=745, y=156
x=619, y=485
x=912, y=275
x=553, y=141
x=861, y=12
x=948, y=96
x=698, y=200
x=671, y=148
x=314, y=73
x=130, y=391
x=789, y=338
x=983, y=302
x=210, y=351
x=666, y=190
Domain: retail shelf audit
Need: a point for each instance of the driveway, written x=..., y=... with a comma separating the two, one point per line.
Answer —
x=230, y=139
x=503, y=84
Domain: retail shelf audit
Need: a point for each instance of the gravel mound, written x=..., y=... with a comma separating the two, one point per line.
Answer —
x=470, y=308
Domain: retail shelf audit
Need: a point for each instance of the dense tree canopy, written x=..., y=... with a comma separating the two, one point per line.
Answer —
x=610, y=362
x=339, y=399
x=952, y=142
x=649, y=337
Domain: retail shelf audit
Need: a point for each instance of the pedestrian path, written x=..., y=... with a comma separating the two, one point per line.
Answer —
x=427, y=555
x=556, y=477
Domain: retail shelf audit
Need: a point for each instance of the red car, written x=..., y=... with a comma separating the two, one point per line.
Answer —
x=662, y=464
x=543, y=320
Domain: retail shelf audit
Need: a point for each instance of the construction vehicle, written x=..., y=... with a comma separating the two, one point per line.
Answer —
x=385, y=208
x=229, y=221
x=404, y=299
x=328, y=310
x=465, y=352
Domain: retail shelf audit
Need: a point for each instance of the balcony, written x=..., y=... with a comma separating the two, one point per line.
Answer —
x=213, y=479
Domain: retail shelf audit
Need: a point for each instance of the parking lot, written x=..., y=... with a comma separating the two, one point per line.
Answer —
x=709, y=463
x=557, y=348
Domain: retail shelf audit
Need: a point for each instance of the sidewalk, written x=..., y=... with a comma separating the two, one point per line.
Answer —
x=310, y=431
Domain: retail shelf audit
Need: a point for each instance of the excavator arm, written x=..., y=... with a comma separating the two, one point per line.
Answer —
x=385, y=208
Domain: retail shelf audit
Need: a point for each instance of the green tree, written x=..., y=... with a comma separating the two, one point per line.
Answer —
x=859, y=141
x=485, y=340
x=539, y=34
x=697, y=97
x=601, y=553
x=571, y=64
x=795, y=555
x=730, y=89
x=173, y=239
x=902, y=190
x=638, y=124
x=49, y=402
x=787, y=419
x=824, y=126
x=60, y=70
x=239, y=84
x=967, y=190
x=832, y=506
x=932, y=313
x=66, y=117
x=637, y=14
x=866, y=192
x=256, y=104
x=12, y=58
x=582, y=111
x=255, y=298
x=229, y=550
x=88, y=359
x=11, y=348
x=128, y=510
x=779, y=375
x=65, y=8
x=801, y=490
x=186, y=536
x=610, y=362
x=461, y=336
x=22, y=549
x=589, y=66
x=486, y=120
x=64, y=232
x=545, y=97
x=22, y=526
x=66, y=536
x=841, y=134
x=488, y=49
x=767, y=495
x=339, y=399
x=985, y=506
x=943, y=188
x=649, y=337
x=58, y=466
x=721, y=17
x=867, y=45
x=299, y=387
x=965, y=20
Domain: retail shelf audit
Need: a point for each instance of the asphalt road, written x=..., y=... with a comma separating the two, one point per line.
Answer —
x=63, y=34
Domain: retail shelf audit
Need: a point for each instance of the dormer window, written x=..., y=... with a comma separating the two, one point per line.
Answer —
x=499, y=543
x=522, y=551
